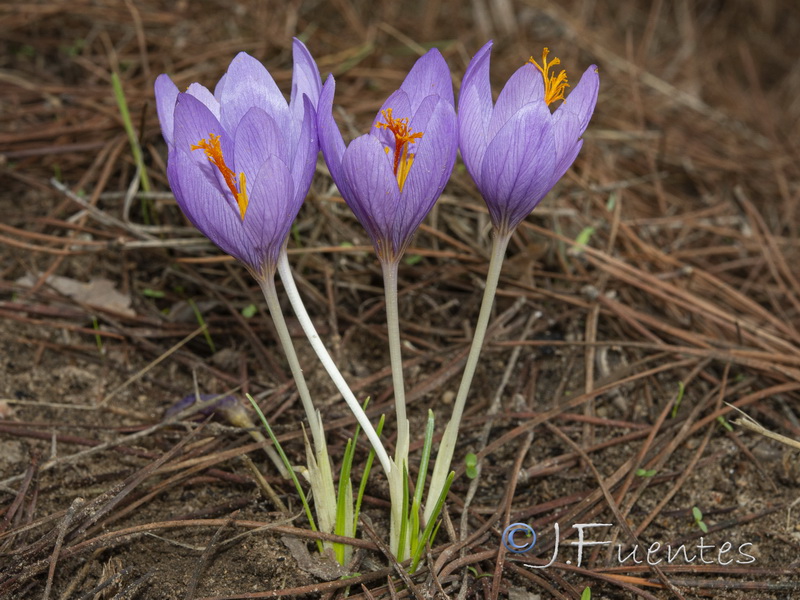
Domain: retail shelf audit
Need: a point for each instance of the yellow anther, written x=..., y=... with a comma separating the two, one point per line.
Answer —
x=403, y=159
x=213, y=150
x=554, y=85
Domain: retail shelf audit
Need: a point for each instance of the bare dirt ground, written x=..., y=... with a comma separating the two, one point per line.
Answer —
x=611, y=363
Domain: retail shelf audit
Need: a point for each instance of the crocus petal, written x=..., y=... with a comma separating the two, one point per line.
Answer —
x=472, y=125
x=205, y=96
x=373, y=193
x=524, y=86
x=249, y=84
x=305, y=80
x=330, y=138
x=206, y=208
x=477, y=77
x=566, y=133
x=583, y=98
x=304, y=162
x=400, y=105
x=517, y=168
x=434, y=159
x=429, y=75
x=271, y=212
x=166, y=97
x=195, y=122
x=257, y=138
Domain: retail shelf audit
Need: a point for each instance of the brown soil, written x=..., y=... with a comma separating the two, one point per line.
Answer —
x=689, y=177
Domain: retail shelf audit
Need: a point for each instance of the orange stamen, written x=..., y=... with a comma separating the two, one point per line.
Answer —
x=403, y=159
x=554, y=85
x=213, y=151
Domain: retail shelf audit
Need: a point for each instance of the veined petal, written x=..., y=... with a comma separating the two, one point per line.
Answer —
x=330, y=138
x=523, y=87
x=472, y=126
x=256, y=139
x=305, y=79
x=220, y=87
x=583, y=98
x=206, y=208
x=373, y=194
x=566, y=134
x=166, y=98
x=477, y=77
x=429, y=75
x=475, y=110
x=271, y=213
x=304, y=163
x=432, y=167
x=206, y=97
x=400, y=105
x=518, y=165
x=249, y=84
x=195, y=122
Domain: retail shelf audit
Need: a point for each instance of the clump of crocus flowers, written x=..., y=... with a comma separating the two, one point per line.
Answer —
x=241, y=160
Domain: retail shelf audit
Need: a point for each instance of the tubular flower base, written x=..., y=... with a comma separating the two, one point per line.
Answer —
x=241, y=159
x=516, y=150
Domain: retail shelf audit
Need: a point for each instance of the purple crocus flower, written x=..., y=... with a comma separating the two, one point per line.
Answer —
x=516, y=150
x=392, y=176
x=241, y=159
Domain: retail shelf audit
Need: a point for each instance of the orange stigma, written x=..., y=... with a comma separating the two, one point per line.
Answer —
x=213, y=151
x=554, y=85
x=403, y=159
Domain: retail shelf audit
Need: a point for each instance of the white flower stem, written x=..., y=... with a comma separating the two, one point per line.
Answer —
x=448, y=443
x=285, y=272
x=396, y=358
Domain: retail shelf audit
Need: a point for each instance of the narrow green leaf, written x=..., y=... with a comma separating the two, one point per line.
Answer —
x=679, y=399
x=249, y=311
x=288, y=466
x=151, y=293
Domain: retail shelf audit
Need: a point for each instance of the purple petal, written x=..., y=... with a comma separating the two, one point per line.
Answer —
x=248, y=84
x=430, y=75
x=305, y=79
x=195, y=122
x=220, y=87
x=257, y=138
x=566, y=134
x=518, y=165
x=583, y=98
x=373, y=195
x=472, y=125
x=271, y=212
x=304, y=162
x=475, y=110
x=524, y=86
x=166, y=97
x=206, y=207
x=434, y=157
x=401, y=109
x=330, y=139
x=201, y=93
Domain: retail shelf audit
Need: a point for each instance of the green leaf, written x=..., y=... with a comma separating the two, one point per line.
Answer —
x=412, y=259
x=471, y=464
x=586, y=594
x=289, y=468
x=679, y=399
x=721, y=420
x=645, y=472
x=249, y=311
x=151, y=293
